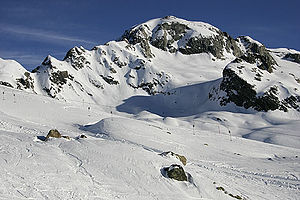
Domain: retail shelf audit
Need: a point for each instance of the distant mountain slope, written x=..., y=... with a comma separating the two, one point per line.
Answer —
x=162, y=55
x=261, y=79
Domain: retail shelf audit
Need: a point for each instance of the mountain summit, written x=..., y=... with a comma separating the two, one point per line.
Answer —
x=183, y=63
x=168, y=111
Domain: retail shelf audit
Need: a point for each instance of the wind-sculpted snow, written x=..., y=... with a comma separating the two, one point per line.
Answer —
x=120, y=158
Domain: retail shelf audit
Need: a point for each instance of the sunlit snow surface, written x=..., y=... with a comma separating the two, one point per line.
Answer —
x=120, y=158
x=230, y=151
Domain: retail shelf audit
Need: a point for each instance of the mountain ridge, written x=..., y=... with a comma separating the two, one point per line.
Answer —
x=160, y=55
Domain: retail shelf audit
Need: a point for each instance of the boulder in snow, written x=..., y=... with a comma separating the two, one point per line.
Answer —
x=177, y=156
x=176, y=172
x=53, y=133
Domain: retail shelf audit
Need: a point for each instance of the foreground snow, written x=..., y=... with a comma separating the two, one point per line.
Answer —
x=120, y=158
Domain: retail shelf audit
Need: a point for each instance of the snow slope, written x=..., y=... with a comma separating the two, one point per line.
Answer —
x=163, y=86
x=120, y=158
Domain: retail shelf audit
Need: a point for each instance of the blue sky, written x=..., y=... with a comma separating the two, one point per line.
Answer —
x=32, y=29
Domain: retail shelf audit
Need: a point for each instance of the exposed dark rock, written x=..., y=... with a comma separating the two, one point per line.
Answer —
x=214, y=45
x=26, y=82
x=268, y=101
x=36, y=70
x=231, y=45
x=66, y=137
x=291, y=102
x=176, y=172
x=47, y=61
x=164, y=35
x=196, y=45
x=175, y=30
x=117, y=61
x=244, y=95
x=135, y=35
x=48, y=91
x=110, y=80
x=179, y=157
x=6, y=84
x=53, y=133
x=146, y=49
x=235, y=196
x=112, y=70
x=220, y=188
x=237, y=89
x=150, y=87
x=296, y=78
x=96, y=83
x=76, y=57
x=258, y=54
x=139, y=35
x=295, y=57
x=59, y=77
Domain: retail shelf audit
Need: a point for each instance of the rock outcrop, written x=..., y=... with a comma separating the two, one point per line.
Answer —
x=257, y=53
x=176, y=172
x=53, y=133
x=295, y=57
x=243, y=85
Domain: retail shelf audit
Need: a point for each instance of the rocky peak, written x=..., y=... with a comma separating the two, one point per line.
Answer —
x=173, y=34
x=148, y=59
x=139, y=35
x=256, y=53
x=165, y=34
x=76, y=56
x=74, y=52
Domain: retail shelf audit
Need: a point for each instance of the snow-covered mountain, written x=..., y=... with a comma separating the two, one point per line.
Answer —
x=168, y=95
x=161, y=55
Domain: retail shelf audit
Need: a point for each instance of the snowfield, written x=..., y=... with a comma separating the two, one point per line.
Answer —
x=120, y=158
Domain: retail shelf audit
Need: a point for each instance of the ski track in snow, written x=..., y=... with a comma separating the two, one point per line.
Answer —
x=83, y=169
x=251, y=154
